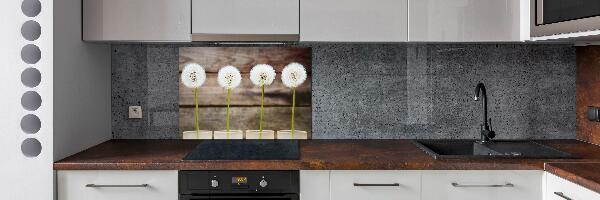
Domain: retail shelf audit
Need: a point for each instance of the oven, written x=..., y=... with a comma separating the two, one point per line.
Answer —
x=552, y=17
x=240, y=197
x=237, y=185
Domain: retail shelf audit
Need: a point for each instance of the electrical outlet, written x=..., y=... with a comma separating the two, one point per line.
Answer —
x=135, y=112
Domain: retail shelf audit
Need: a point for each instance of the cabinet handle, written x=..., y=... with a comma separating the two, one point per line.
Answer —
x=115, y=186
x=376, y=185
x=562, y=195
x=504, y=185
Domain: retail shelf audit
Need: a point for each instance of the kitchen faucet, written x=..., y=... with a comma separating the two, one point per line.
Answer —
x=487, y=134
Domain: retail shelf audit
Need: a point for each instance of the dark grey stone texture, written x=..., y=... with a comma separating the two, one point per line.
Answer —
x=376, y=91
x=145, y=75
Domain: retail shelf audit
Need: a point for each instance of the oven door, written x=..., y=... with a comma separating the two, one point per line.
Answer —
x=245, y=197
x=551, y=17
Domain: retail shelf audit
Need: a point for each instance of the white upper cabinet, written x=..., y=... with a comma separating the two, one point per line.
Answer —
x=469, y=20
x=354, y=20
x=245, y=20
x=307, y=20
x=136, y=20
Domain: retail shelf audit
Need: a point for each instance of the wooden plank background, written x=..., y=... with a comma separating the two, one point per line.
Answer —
x=245, y=99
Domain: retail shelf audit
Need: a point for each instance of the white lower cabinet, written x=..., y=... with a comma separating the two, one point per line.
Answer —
x=375, y=185
x=560, y=189
x=314, y=184
x=482, y=185
x=341, y=185
x=421, y=185
x=117, y=185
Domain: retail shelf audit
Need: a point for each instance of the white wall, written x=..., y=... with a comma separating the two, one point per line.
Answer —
x=74, y=111
x=82, y=109
x=22, y=177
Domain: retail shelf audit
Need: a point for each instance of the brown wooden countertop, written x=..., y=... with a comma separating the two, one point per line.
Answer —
x=584, y=174
x=314, y=155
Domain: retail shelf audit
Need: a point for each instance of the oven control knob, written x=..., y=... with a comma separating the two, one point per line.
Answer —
x=214, y=183
x=263, y=183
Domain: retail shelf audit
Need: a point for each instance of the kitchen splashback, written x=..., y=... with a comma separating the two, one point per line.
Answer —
x=380, y=91
x=245, y=100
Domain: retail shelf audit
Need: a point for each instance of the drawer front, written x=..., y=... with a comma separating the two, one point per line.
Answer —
x=117, y=185
x=560, y=189
x=375, y=185
x=478, y=185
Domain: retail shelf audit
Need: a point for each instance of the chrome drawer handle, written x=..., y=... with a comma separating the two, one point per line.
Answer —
x=115, y=186
x=562, y=195
x=376, y=184
x=504, y=185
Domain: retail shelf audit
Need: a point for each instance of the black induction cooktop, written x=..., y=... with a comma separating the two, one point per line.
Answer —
x=245, y=150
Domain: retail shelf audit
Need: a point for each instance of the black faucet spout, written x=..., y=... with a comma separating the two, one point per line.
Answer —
x=486, y=133
x=481, y=88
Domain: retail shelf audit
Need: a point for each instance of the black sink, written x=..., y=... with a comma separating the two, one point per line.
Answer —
x=469, y=149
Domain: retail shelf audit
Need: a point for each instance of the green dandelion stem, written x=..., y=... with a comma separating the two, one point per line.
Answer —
x=262, y=109
x=293, y=109
x=196, y=99
x=228, y=102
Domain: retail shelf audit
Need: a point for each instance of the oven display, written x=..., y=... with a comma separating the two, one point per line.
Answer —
x=239, y=180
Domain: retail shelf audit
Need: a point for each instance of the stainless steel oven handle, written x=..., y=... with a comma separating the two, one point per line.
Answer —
x=492, y=185
x=562, y=195
x=115, y=186
x=241, y=196
x=376, y=184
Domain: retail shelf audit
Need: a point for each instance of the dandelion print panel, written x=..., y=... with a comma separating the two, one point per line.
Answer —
x=246, y=96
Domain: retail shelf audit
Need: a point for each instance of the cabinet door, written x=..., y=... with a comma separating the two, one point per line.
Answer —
x=314, y=184
x=214, y=19
x=136, y=20
x=375, y=185
x=117, y=185
x=478, y=185
x=468, y=20
x=560, y=189
x=354, y=20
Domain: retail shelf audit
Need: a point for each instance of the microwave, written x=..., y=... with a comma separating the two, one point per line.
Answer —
x=554, y=17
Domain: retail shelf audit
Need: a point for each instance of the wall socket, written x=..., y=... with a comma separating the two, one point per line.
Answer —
x=593, y=114
x=135, y=112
